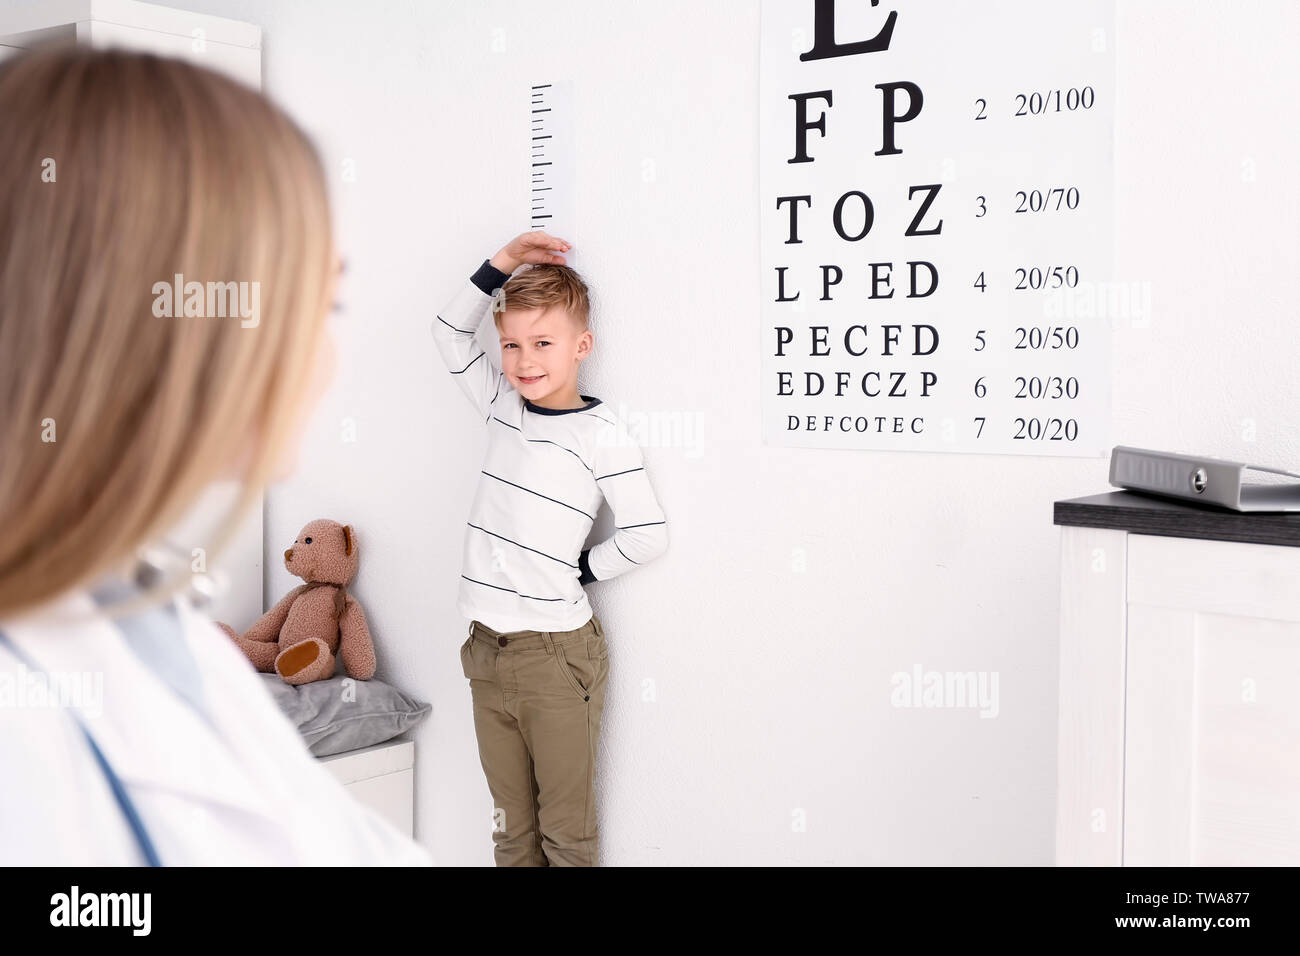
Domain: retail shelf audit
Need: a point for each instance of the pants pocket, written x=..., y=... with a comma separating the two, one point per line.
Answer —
x=467, y=656
x=598, y=639
x=567, y=669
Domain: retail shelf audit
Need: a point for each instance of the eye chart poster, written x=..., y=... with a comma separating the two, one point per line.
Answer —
x=937, y=193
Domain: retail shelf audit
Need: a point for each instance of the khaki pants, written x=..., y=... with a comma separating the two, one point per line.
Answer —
x=538, y=697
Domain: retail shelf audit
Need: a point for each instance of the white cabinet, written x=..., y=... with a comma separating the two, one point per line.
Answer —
x=382, y=777
x=1179, y=733
x=228, y=46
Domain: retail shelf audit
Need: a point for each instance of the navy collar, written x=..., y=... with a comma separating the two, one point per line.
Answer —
x=591, y=401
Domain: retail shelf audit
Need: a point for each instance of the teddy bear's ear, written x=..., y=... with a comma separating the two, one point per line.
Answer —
x=347, y=539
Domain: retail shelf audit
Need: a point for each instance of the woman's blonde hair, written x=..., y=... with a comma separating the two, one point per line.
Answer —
x=118, y=171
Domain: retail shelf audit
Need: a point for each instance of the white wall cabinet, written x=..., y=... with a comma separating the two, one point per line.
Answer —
x=228, y=46
x=1179, y=733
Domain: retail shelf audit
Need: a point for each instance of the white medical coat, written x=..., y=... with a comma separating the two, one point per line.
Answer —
x=243, y=789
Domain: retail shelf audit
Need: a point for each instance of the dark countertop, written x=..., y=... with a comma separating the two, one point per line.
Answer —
x=1150, y=514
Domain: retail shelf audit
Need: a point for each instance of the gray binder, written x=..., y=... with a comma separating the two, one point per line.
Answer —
x=1210, y=481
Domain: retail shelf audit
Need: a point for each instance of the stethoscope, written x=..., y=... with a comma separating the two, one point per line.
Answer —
x=152, y=562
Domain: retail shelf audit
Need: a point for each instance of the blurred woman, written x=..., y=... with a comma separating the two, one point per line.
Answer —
x=119, y=173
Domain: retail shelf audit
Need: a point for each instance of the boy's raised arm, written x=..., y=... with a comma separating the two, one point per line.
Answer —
x=640, y=528
x=454, y=327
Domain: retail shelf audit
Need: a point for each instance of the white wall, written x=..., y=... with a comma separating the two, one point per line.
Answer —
x=771, y=685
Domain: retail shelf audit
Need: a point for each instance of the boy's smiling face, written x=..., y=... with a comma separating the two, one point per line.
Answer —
x=540, y=355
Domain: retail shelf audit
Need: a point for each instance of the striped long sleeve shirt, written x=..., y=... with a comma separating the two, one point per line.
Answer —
x=544, y=476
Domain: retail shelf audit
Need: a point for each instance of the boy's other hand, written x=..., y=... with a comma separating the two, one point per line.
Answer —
x=537, y=247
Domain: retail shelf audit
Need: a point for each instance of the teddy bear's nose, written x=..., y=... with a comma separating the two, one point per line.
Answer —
x=288, y=554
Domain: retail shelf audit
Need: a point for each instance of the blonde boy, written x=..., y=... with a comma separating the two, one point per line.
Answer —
x=536, y=656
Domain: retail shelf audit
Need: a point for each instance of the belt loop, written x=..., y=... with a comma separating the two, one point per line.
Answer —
x=550, y=644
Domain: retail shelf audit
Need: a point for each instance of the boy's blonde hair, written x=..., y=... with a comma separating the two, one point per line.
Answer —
x=542, y=286
x=119, y=170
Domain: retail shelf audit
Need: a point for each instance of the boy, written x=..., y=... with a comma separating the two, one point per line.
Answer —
x=536, y=657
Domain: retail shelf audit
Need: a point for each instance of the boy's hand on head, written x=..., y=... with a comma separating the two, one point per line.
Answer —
x=537, y=247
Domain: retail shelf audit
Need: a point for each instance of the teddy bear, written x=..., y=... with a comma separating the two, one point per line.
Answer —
x=299, y=637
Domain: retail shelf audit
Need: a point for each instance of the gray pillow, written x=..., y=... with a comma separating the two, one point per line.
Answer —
x=331, y=723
